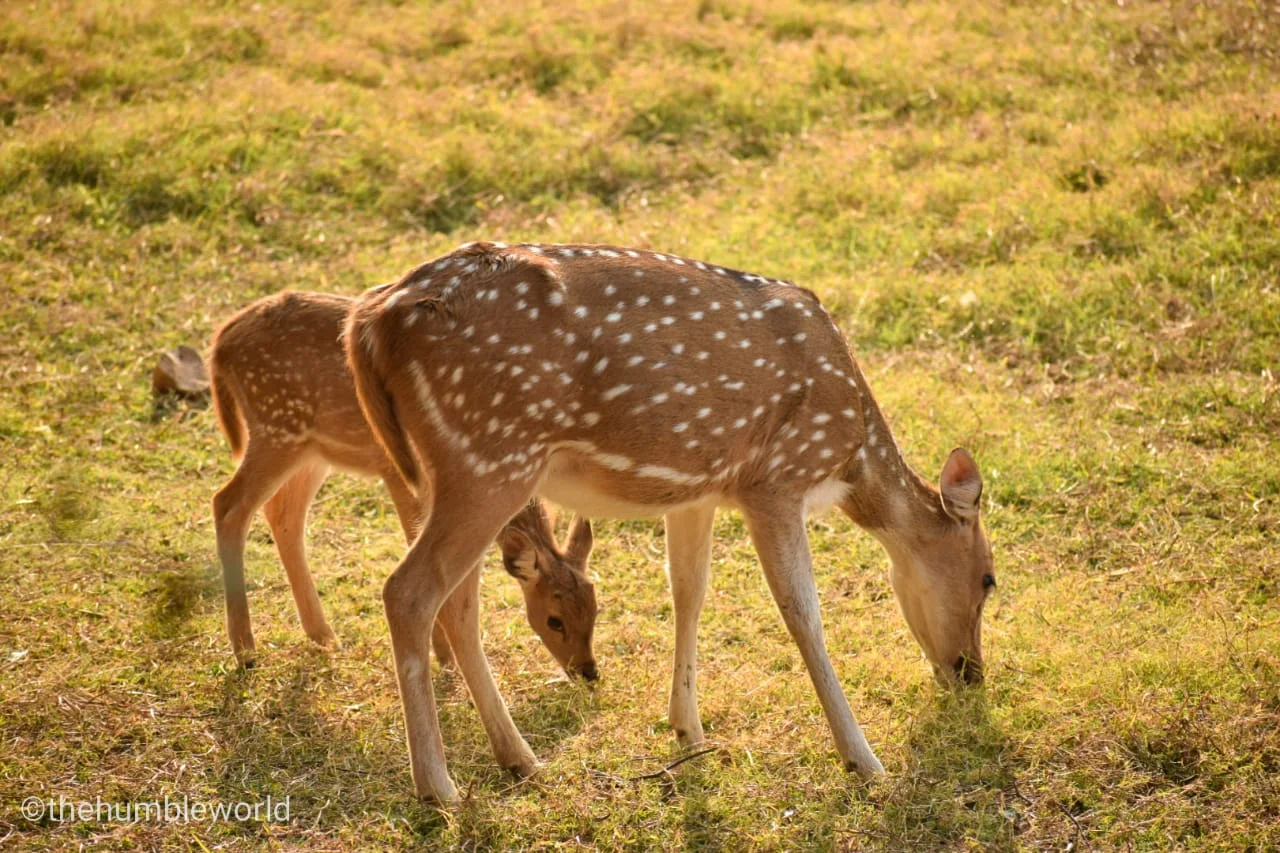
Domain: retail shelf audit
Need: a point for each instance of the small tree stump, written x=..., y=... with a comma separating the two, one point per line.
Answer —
x=180, y=372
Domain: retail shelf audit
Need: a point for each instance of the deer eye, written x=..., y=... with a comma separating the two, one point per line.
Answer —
x=988, y=581
x=555, y=624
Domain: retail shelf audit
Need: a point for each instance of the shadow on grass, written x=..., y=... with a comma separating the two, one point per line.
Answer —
x=958, y=777
x=177, y=594
x=702, y=806
x=558, y=712
x=277, y=737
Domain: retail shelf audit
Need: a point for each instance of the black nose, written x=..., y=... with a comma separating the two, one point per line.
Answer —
x=969, y=670
x=588, y=671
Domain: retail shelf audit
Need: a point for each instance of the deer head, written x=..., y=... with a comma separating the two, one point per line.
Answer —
x=941, y=571
x=560, y=601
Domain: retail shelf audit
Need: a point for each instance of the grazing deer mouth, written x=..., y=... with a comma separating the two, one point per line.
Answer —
x=588, y=671
x=968, y=670
x=965, y=670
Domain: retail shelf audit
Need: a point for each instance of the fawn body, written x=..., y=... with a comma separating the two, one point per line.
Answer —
x=285, y=400
x=634, y=383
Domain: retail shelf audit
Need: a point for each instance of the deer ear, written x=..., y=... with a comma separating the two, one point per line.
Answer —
x=580, y=541
x=519, y=557
x=961, y=485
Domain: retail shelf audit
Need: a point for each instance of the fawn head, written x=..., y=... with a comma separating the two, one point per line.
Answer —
x=560, y=601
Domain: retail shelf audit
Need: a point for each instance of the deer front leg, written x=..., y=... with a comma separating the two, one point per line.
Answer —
x=412, y=596
x=409, y=511
x=779, y=535
x=688, y=564
x=286, y=513
x=461, y=618
x=453, y=542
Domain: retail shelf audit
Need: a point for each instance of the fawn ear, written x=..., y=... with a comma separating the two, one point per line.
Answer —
x=961, y=485
x=519, y=556
x=580, y=541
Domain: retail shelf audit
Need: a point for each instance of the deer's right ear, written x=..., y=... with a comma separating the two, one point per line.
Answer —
x=580, y=540
x=519, y=557
x=961, y=485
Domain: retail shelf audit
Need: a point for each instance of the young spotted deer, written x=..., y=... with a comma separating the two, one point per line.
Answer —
x=626, y=383
x=286, y=402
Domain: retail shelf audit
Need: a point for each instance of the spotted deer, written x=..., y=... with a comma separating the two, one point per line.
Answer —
x=288, y=407
x=625, y=383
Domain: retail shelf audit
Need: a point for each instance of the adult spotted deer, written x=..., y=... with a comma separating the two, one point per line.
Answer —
x=286, y=402
x=627, y=383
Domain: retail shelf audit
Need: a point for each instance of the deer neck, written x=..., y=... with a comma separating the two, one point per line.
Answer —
x=885, y=496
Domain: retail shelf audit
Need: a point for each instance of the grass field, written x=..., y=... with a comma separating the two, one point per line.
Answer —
x=1051, y=231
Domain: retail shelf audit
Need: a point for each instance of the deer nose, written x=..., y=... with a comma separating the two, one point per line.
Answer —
x=968, y=669
x=589, y=671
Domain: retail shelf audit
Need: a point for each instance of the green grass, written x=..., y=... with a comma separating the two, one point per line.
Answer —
x=1050, y=231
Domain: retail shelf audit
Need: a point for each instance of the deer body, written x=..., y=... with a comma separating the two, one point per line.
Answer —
x=625, y=383
x=286, y=402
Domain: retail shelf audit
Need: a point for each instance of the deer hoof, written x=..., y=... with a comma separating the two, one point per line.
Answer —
x=325, y=637
x=442, y=798
x=865, y=771
x=246, y=656
x=524, y=769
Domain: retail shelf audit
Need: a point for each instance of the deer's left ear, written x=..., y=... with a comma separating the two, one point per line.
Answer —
x=580, y=540
x=519, y=556
x=961, y=485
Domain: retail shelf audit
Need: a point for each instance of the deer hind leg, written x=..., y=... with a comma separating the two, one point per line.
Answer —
x=782, y=543
x=409, y=510
x=261, y=471
x=688, y=564
x=286, y=513
x=459, y=529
